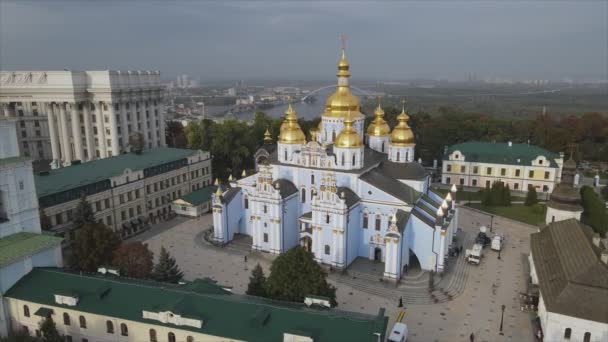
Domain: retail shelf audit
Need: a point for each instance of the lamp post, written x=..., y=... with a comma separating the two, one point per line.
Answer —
x=491, y=222
x=499, y=253
x=502, y=315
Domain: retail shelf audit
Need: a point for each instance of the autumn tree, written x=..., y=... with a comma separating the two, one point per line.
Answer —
x=295, y=274
x=166, y=270
x=94, y=246
x=134, y=259
x=257, y=282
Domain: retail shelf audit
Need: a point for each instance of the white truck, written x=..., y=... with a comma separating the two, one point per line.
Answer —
x=474, y=254
x=497, y=242
x=399, y=333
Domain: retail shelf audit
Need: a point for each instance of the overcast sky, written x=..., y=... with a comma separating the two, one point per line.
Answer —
x=300, y=40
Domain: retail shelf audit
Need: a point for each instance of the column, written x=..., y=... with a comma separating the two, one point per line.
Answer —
x=88, y=130
x=6, y=109
x=441, y=251
x=124, y=125
x=50, y=111
x=143, y=121
x=76, y=133
x=153, y=127
x=114, y=130
x=101, y=130
x=66, y=148
x=161, y=123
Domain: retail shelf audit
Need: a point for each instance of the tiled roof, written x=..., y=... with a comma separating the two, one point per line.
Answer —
x=350, y=196
x=391, y=186
x=199, y=196
x=74, y=176
x=223, y=314
x=286, y=188
x=573, y=280
x=501, y=153
x=16, y=246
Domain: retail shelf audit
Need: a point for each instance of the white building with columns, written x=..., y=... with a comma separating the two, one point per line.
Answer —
x=66, y=116
x=337, y=196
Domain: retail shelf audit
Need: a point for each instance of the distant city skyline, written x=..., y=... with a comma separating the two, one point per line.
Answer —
x=300, y=40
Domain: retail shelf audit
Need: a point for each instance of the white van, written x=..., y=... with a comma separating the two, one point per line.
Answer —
x=497, y=242
x=399, y=333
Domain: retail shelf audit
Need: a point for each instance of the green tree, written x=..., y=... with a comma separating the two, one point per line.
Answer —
x=594, y=211
x=487, y=196
x=94, y=245
x=84, y=213
x=506, y=196
x=176, y=137
x=134, y=259
x=166, y=270
x=295, y=274
x=531, y=197
x=605, y=193
x=19, y=336
x=257, y=282
x=49, y=332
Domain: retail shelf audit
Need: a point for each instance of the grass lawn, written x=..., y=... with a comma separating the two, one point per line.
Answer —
x=591, y=174
x=518, y=212
x=471, y=195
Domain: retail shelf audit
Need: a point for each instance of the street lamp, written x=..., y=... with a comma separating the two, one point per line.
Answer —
x=501, y=318
x=499, y=251
x=491, y=222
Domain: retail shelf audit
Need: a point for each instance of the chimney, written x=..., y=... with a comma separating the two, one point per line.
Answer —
x=596, y=240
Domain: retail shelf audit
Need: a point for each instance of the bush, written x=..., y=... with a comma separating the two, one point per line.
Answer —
x=538, y=208
x=531, y=197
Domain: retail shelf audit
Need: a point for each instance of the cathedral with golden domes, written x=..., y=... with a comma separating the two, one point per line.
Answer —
x=345, y=194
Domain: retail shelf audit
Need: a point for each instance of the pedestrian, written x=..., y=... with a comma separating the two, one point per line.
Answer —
x=245, y=259
x=472, y=337
x=400, y=302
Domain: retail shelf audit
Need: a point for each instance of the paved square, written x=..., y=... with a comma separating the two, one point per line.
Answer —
x=477, y=310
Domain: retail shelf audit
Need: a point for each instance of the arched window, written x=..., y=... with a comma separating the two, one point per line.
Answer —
x=567, y=333
x=285, y=155
x=353, y=160
x=587, y=337
x=83, y=322
x=26, y=311
x=365, y=221
x=66, y=319
x=171, y=337
x=382, y=149
x=398, y=156
x=327, y=250
x=303, y=195
x=246, y=202
x=312, y=179
x=153, y=335
x=342, y=159
x=407, y=155
x=124, y=331
x=189, y=339
x=378, y=222
x=109, y=327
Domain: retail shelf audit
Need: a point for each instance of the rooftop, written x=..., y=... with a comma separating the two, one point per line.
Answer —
x=223, y=313
x=101, y=169
x=199, y=196
x=501, y=153
x=573, y=280
x=16, y=246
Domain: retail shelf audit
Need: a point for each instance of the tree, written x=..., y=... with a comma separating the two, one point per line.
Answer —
x=487, y=196
x=506, y=196
x=531, y=197
x=49, y=331
x=295, y=274
x=19, y=336
x=176, y=137
x=94, y=245
x=134, y=259
x=166, y=270
x=605, y=193
x=257, y=282
x=84, y=213
x=594, y=211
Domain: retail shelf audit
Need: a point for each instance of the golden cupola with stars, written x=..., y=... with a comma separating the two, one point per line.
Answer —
x=348, y=137
x=342, y=101
x=291, y=132
x=402, y=134
x=378, y=127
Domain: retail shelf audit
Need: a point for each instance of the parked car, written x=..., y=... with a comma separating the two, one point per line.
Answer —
x=399, y=333
x=497, y=242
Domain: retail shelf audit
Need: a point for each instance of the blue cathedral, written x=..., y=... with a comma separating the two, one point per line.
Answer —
x=345, y=194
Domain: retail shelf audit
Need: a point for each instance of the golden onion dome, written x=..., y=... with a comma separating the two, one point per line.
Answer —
x=402, y=134
x=340, y=103
x=378, y=127
x=267, y=137
x=291, y=133
x=348, y=137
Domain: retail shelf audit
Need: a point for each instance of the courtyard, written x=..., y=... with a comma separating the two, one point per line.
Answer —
x=478, y=292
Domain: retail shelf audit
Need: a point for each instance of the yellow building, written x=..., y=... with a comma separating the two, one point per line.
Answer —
x=106, y=307
x=480, y=164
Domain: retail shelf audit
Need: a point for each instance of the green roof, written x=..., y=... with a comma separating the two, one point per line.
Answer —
x=74, y=176
x=501, y=153
x=20, y=245
x=199, y=196
x=224, y=314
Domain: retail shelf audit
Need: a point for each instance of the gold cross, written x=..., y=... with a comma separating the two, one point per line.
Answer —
x=343, y=39
x=403, y=101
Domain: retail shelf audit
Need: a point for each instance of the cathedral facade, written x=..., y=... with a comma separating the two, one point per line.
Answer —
x=345, y=194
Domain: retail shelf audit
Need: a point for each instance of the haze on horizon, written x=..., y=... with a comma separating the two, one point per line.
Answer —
x=300, y=40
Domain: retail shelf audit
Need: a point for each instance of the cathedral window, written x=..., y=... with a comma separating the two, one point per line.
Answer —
x=342, y=159
x=303, y=195
x=312, y=179
x=327, y=250
x=398, y=156
x=407, y=155
x=246, y=203
x=285, y=155
x=353, y=159
x=378, y=222
x=265, y=237
x=327, y=218
x=382, y=148
x=365, y=220
x=265, y=209
x=333, y=136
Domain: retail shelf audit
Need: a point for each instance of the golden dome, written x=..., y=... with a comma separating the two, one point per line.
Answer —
x=340, y=103
x=378, y=127
x=402, y=134
x=348, y=137
x=267, y=137
x=291, y=133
